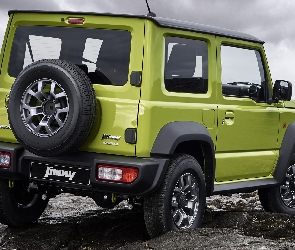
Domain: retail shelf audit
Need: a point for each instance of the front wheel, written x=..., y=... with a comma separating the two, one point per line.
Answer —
x=180, y=201
x=280, y=199
x=18, y=206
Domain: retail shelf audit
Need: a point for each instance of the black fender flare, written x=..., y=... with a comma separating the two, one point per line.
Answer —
x=286, y=151
x=174, y=133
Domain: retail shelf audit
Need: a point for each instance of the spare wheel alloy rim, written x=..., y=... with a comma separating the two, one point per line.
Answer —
x=185, y=201
x=44, y=107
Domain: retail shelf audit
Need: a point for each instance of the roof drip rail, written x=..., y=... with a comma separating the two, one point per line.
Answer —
x=150, y=14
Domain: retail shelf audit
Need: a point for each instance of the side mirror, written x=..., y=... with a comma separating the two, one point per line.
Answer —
x=282, y=90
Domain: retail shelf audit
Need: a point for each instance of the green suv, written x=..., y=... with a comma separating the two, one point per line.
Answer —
x=157, y=111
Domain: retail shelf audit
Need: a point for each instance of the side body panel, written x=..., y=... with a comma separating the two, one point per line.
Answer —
x=159, y=107
x=5, y=132
x=287, y=142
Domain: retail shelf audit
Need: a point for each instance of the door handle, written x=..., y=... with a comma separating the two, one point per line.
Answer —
x=229, y=115
x=228, y=118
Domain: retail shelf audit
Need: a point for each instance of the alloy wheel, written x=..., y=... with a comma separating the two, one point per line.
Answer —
x=185, y=201
x=44, y=107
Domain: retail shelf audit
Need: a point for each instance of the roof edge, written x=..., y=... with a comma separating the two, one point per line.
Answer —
x=162, y=22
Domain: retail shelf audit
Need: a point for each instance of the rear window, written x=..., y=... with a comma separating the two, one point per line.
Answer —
x=103, y=54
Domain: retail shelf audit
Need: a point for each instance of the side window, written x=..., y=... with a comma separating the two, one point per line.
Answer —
x=242, y=73
x=186, y=65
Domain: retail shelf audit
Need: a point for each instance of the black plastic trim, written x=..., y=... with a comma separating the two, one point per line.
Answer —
x=244, y=186
x=151, y=170
x=286, y=151
x=162, y=22
x=130, y=135
x=135, y=78
x=174, y=133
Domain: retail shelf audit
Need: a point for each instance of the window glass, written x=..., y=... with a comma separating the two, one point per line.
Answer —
x=37, y=45
x=91, y=52
x=242, y=73
x=186, y=65
x=103, y=54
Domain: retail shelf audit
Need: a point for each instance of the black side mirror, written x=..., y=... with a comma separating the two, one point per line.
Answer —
x=282, y=90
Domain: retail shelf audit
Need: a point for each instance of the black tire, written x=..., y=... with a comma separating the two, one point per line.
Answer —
x=57, y=107
x=280, y=199
x=18, y=207
x=183, y=182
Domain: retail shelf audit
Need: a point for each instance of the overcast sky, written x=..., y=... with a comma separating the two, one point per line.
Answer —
x=270, y=20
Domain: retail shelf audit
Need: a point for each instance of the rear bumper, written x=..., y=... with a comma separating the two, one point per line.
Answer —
x=150, y=175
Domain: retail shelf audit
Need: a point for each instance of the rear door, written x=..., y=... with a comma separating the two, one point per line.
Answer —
x=108, y=48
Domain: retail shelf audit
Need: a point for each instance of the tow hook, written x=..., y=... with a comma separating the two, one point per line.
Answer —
x=11, y=184
x=107, y=198
x=114, y=198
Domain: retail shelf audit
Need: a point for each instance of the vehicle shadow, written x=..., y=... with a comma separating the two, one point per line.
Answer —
x=100, y=229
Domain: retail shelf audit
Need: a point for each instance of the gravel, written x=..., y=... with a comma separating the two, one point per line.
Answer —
x=234, y=221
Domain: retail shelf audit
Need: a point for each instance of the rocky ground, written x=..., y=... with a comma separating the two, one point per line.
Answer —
x=230, y=222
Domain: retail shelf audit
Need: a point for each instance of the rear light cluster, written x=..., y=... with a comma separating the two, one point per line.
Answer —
x=4, y=160
x=116, y=173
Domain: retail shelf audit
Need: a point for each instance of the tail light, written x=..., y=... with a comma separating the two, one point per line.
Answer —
x=116, y=173
x=4, y=160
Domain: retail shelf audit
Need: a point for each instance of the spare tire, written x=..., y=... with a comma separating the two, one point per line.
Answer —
x=52, y=107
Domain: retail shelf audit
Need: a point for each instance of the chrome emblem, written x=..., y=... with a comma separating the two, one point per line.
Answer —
x=50, y=171
x=111, y=137
x=5, y=127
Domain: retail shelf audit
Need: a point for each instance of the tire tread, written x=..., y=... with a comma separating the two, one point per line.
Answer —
x=153, y=205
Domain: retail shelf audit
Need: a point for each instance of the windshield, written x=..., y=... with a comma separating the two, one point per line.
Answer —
x=103, y=54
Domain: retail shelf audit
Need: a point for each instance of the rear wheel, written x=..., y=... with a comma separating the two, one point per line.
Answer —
x=180, y=201
x=18, y=206
x=280, y=199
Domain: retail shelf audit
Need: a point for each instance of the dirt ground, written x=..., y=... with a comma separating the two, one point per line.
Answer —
x=230, y=222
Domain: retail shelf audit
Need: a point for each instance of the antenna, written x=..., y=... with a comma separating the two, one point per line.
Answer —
x=151, y=14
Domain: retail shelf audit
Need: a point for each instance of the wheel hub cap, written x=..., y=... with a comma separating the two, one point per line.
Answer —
x=49, y=108
x=182, y=201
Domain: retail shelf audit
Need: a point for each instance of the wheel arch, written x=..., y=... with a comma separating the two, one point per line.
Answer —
x=285, y=155
x=191, y=138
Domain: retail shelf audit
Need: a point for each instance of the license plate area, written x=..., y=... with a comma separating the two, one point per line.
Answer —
x=59, y=173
